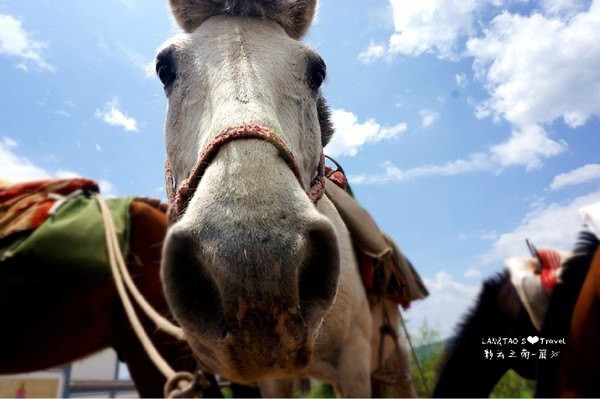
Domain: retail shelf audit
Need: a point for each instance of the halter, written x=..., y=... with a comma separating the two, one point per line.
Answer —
x=180, y=198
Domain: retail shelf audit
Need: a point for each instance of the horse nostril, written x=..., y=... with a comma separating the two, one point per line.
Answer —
x=188, y=285
x=319, y=273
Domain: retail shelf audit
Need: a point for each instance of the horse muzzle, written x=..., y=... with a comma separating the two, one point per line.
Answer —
x=251, y=268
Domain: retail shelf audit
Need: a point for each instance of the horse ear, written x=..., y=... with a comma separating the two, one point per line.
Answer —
x=302, y=14
x=188, y=13
x=295, y=16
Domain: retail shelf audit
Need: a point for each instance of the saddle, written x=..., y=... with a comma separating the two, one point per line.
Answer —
x=57, y=220
x=376, y=252
x=534, y=279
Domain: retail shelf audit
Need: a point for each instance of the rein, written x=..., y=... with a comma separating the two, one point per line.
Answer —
x=179, y=384
x=180, y=198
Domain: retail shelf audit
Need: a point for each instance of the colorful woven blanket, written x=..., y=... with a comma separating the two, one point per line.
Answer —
x=25, y=206
x=56, y=223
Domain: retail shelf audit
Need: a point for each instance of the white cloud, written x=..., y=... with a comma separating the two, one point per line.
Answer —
x=432, y=26
x=372, y=53
x=428, y=117
x=538, y=68
x=565, y=8
x=527, y=146
x=66, y=174
x=62, y=112
x=476, y=162
x=472, y=273
x=461, y=80
x=7, y=142
x=115, y=117
x=552, y=226
x=140, y=61
x=107, y=189
x=350, y=135
x=15, y=168
x=447, y=303
x=490, y=236
x=16, y=42
x=580, y=175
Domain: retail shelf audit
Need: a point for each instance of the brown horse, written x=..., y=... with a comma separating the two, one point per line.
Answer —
x=52, y=318
x=580, y=368
x=572, y=313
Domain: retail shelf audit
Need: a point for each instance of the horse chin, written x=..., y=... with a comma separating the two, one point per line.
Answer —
x=241, y=360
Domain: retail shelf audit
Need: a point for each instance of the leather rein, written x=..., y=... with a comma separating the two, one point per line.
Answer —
x=179, y=198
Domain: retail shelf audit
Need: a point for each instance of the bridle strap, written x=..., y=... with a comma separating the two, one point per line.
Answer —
x=179, y=198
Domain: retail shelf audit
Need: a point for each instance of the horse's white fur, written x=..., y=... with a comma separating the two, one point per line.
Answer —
x=234, y=70
x=261, y=79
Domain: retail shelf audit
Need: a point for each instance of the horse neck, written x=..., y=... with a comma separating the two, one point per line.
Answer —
x=559, y=315
x=465, y=371
x=579, y=367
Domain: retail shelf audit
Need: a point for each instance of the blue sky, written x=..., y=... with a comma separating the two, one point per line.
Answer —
x=465, y=126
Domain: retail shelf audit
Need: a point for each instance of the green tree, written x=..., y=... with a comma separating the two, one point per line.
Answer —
x=430, y=350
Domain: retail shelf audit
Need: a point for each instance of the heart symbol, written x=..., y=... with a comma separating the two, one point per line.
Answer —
x=533, y=340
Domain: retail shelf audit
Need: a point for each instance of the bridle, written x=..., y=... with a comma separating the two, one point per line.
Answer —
x=180, y=198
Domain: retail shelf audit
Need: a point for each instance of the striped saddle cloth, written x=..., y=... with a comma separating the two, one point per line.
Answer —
x=25, y=206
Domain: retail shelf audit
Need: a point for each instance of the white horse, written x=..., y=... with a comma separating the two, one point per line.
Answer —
x=261, y=276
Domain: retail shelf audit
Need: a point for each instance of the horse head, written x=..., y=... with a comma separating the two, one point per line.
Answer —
x=250, y=265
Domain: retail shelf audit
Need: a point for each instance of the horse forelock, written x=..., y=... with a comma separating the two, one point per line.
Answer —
x=295, y=16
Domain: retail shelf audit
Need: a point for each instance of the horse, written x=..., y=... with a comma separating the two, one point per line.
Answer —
x=258, y=266
x=573, y=313
x=578, y=373
x=57, y=314
x=499, y=312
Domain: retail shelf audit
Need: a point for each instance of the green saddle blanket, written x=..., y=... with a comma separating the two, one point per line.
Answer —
x=73, y=237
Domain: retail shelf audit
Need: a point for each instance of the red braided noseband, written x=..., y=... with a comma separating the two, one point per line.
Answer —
x=178, y=200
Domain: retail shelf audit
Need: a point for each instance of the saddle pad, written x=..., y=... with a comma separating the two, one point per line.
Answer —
x=25, y=206
x=534, y=279
x=72, y=239
x=374, y=248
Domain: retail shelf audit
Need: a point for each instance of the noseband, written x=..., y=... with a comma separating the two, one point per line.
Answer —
x=180, y=198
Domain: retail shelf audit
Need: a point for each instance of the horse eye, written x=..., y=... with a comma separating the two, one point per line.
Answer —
x=316, y=73
x=165, y=67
